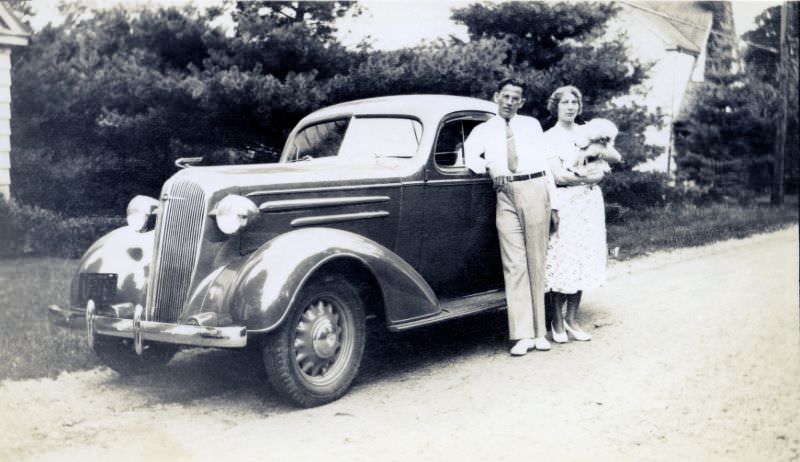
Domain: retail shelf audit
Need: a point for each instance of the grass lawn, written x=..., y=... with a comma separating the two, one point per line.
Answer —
x=31, y=347
x=689, y=226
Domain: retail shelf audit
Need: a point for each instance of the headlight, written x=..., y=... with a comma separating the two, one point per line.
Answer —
x=233, y=213
x=142, y=213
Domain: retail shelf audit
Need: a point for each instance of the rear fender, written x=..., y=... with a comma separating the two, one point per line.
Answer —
x=271, y=278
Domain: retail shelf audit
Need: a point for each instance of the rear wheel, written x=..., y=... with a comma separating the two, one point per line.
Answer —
x=315, y=354
x=118, y=354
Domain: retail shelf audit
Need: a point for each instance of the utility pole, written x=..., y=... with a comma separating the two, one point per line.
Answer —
x=780, y=142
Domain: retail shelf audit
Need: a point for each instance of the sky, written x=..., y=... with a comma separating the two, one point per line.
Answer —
x=393, y=24
x=397, y=24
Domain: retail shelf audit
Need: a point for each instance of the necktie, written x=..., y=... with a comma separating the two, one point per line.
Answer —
x=513, y=161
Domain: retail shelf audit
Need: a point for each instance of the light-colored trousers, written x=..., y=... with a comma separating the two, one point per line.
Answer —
x=523, y=225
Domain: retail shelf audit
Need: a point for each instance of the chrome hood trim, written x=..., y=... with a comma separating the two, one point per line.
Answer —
x=301, y=204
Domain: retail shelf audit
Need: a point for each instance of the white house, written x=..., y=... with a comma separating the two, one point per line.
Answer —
x=673, y=37
x=12, y=33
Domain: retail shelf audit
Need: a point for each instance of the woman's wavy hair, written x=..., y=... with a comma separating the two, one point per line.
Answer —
x=555, y=97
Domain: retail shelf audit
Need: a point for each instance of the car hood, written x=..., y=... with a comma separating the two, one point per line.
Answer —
x=317, y=173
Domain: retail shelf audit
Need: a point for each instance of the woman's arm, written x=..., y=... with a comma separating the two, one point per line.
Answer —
x=593, y=178
x=561, y=175
x=566, y=177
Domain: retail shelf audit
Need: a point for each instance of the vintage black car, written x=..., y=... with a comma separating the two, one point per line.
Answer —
x=370, y=212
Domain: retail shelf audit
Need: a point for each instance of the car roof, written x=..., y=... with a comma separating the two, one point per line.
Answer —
x=420, y=106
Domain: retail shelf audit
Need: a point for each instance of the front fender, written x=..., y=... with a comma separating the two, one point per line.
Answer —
x=122, y=251
x=270, y=279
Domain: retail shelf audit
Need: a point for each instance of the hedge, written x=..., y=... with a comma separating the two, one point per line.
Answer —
x=33, y=231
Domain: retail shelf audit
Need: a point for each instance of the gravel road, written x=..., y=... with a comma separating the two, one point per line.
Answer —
x=695, y=356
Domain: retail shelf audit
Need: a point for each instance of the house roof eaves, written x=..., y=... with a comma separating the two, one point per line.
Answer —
x=13, y=26
x=676, y=30
x=12, y=40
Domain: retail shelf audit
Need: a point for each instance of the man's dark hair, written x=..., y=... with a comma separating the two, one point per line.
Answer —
x=512, y=81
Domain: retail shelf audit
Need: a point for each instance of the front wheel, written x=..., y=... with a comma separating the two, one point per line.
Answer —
x=118, y=354
x=315, y=354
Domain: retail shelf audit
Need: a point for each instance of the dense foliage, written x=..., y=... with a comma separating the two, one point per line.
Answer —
x=544, y=45
x=564, y=48
x=726, y=151
x=762, y=65
x=726, y=143
x=105, y=102
x=33, y=231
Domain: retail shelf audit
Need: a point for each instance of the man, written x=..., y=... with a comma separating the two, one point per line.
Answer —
x=511, y=148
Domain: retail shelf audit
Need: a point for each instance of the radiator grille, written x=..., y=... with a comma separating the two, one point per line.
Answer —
x=177, y=242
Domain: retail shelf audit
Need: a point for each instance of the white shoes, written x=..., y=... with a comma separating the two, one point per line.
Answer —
x=522, y=346
x=577, y=334
x=527, y=344
x=541, y=344
x=559, y=337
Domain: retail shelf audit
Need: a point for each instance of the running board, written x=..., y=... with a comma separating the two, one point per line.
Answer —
x=458, y=308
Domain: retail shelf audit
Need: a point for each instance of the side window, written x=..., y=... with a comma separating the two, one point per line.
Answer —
x=319, y=140
x=360, y=138
x=369, y=137
x=449, y=152
x=449, y=145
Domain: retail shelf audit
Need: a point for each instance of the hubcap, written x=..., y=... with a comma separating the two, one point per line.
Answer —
x=321, y=338
x=325, y=341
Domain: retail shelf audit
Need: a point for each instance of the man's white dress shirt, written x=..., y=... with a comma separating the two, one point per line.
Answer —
x=489, y=139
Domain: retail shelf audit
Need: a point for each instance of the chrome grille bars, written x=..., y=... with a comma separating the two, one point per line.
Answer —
x=178, y=235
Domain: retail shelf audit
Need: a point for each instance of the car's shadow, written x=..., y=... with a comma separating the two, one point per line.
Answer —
x=238, y=375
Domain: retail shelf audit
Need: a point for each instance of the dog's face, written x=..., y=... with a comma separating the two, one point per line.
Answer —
x=598, y=137
x=600, y=130
x=594, y=148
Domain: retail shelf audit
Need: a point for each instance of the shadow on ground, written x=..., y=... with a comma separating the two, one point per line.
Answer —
x=201, y=378
x=196, y=376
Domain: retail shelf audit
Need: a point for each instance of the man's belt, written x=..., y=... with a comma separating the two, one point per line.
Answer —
x=574, y=185
x=505, y=179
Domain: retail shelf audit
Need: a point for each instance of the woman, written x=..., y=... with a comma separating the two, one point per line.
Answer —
x=576, y=255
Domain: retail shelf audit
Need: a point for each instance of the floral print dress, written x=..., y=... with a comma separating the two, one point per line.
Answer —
x=576, y=255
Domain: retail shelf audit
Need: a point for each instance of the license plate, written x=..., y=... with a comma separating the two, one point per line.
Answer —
x=100, y=287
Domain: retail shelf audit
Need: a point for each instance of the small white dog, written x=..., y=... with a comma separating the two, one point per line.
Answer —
x=596, y=144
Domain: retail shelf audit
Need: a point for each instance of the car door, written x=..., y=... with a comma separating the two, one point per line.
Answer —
x=460, y=251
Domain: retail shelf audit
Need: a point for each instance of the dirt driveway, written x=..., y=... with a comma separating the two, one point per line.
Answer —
x=696, y=356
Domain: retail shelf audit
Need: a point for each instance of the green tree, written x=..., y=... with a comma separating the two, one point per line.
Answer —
x=105, y=102
x=726, y=143
x=555, y=44
x=724, y=150
x=95, y=99
x=538, y=32
x=761, y=64
x=277, y=38
x=467, y=69
x=254, y=18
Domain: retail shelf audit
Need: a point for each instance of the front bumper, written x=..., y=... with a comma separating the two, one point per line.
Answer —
x=139, y=330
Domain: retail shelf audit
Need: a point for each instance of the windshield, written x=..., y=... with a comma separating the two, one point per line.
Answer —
x=357, y=138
